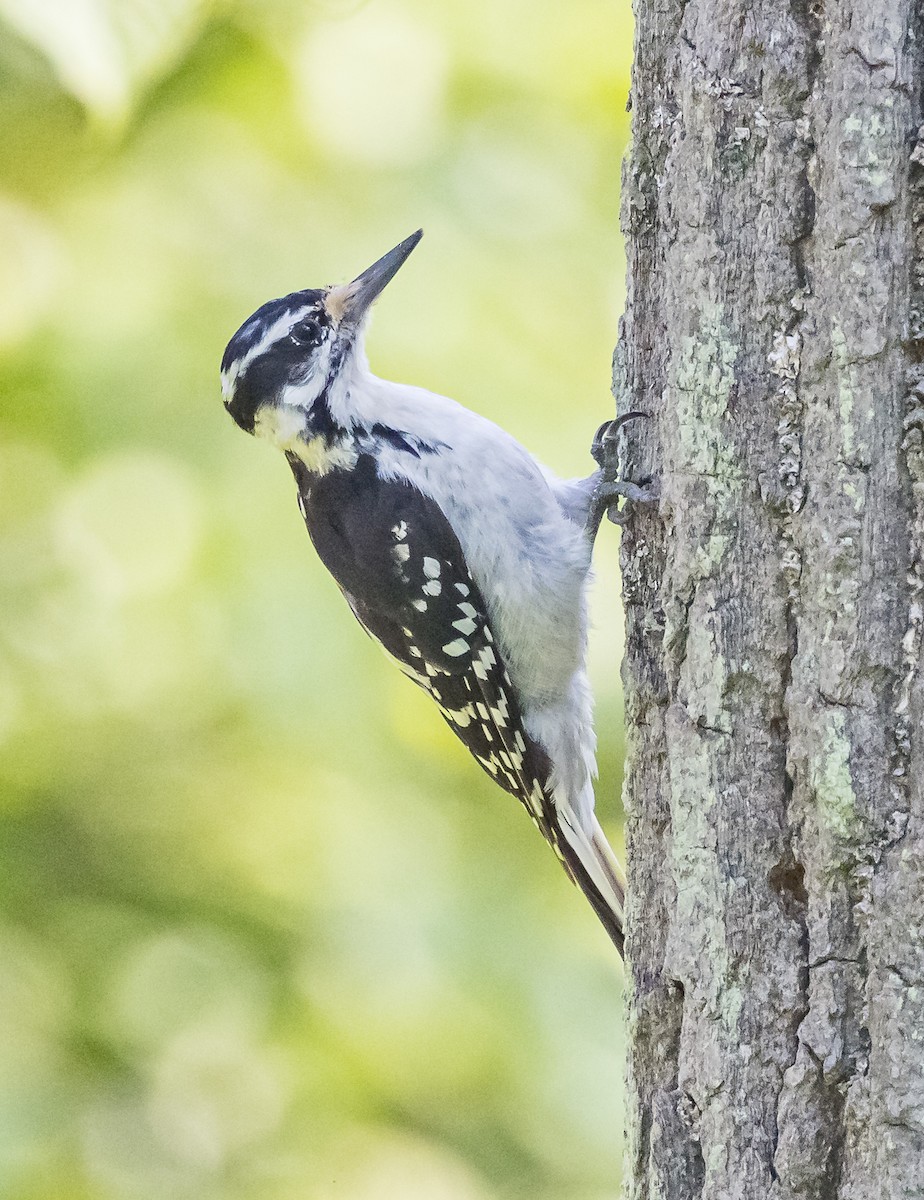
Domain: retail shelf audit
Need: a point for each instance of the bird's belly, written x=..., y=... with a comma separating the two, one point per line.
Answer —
x=529, y=561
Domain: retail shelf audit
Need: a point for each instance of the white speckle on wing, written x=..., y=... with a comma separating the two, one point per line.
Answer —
x=484, y=661
x=431, y=568
x=456, y=648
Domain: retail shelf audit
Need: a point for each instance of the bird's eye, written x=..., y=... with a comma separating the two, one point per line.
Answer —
x=305, y=333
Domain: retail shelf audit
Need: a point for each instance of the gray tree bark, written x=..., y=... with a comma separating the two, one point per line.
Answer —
x=773, y=207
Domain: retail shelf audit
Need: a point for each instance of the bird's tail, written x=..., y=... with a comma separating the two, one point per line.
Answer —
x=591, y=863
x=522, y=762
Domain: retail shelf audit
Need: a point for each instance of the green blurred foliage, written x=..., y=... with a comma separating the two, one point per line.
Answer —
x=266, y=931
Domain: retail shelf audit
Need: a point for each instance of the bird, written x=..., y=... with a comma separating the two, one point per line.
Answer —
x=463, y=556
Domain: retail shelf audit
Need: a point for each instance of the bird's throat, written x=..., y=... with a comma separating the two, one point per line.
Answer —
x=288, y=429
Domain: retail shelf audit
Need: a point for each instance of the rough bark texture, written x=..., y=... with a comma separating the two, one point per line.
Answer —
x=774, y=212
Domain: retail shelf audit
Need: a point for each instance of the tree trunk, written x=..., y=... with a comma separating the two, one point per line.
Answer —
x=774, y=211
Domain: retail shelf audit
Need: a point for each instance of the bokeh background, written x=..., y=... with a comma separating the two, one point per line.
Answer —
x=267, y=933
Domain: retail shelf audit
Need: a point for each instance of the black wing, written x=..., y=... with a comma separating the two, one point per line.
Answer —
x=400, y=565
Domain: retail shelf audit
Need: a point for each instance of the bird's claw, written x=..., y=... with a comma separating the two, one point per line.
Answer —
x=604, y=449
x=610, y=489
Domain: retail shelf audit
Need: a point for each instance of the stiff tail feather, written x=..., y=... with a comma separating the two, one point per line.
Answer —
x=593, y=866
x=519, y=763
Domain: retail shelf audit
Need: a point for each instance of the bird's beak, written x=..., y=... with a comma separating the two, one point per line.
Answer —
x=350, y=302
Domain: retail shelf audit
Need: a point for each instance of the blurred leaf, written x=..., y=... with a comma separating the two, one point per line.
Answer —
x=267, y=932
x=30, y=269
x=104, y=51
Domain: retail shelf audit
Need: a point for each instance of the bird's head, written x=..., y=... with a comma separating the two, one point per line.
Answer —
x=285, y=357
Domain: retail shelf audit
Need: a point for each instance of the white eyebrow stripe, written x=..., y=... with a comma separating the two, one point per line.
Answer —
x=281, y=325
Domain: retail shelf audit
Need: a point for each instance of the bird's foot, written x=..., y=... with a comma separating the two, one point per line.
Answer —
x=611, y=494
x=607, y=497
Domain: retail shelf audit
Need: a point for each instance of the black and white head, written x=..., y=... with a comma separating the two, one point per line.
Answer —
x=285, y=357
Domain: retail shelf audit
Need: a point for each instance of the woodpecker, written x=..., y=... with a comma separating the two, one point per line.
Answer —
x=464, y=557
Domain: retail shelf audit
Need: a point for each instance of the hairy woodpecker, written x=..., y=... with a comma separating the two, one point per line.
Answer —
x=462, y=555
